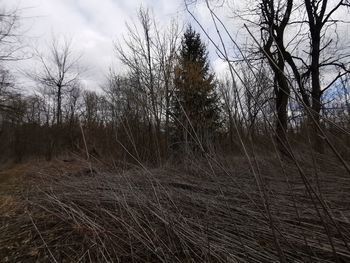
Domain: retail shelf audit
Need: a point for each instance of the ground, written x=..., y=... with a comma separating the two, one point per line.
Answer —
x=201, y=210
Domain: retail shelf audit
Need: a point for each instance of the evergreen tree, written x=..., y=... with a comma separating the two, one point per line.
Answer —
x=195, y=101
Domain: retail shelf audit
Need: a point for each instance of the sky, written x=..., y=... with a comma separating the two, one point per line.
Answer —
x=94, y=26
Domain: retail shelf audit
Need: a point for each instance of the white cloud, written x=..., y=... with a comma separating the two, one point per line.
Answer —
x=92, y=24
x=95, y=24
x=220, y=67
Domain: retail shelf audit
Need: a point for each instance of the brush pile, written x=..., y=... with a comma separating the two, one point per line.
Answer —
x=206, y=211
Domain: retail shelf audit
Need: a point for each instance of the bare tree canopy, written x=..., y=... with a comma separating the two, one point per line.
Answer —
x=59, y=71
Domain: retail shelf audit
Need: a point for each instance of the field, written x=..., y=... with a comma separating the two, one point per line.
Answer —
x=212, y=209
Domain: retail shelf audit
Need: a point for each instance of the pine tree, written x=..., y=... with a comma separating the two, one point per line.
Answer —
x=195, y=101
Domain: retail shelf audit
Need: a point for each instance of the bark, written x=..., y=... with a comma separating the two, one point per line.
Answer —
x=59, y=104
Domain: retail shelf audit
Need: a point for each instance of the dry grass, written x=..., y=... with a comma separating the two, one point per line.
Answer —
x=205, y=211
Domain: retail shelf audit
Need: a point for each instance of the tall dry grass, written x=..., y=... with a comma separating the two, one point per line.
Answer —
x=208, y=210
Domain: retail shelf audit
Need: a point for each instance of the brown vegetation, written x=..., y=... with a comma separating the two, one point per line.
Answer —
x=211, y=210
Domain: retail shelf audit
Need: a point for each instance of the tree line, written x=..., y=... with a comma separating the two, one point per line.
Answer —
x=169, y=103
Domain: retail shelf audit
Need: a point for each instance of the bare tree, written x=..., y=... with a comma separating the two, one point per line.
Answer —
x=91, y=111
x=258, y=95
x=7, y=84
x=149, y=54
x=274, y=20
x=11, y=49
x=11, y=46
x=72, y=104
x=167, y=44
x=58, y=71
x=320, y=18
x=314, y=36
x=230, y=106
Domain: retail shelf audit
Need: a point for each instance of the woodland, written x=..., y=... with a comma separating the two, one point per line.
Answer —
x=169, y=160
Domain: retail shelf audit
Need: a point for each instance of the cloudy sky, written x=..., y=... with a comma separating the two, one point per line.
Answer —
x=94, y=25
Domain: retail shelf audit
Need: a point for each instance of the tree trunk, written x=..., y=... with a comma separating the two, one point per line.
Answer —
x=59, y=97
x=316, y=90
x=282, y=92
